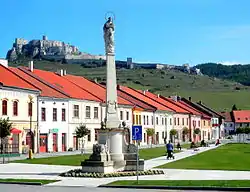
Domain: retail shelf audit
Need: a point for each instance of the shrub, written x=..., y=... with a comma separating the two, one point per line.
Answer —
x=79, y=173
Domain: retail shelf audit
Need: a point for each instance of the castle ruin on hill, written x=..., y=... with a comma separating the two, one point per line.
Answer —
x=49, y=50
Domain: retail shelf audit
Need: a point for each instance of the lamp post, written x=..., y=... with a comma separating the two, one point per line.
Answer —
x=30, y=111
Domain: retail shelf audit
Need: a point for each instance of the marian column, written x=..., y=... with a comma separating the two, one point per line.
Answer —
x=112, y=118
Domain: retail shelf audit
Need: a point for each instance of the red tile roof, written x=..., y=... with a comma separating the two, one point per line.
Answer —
x=164, y=102
x=242, y=116
x=195, y=108
x=46, y=90
x=144, y=98
x=94, y=88
x=8, y=78
x=64, y=85
x=139, y=104
x=227, y=116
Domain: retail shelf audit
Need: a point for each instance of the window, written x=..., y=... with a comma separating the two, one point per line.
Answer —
x=162, y=121
x=30, y=109
x=121, y=115
x=178, y=121
x=43, y=114
x=175, y=121
x=87, y=112
x=144, y=119
x=96, y=134
x=165, y=121
x=204, y=123
x=15, y=108
x=63, y=114
x=76, y=111
x=127, y=115
x=147, y=120
x=144, y=137
x=162, y=134
x=139, y=119
x=89, y=136
x=199, y=123
x=170, y=122
x=54, y=114
x=152, y=120
x=157, y=121
x=96, y=112
x=182, y=121
x=4, y=107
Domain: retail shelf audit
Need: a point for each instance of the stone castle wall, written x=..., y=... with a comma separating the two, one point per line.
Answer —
x=48, y=49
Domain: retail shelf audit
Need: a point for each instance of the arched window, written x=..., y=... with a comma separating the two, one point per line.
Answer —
x=15, y=108
x=4, y=107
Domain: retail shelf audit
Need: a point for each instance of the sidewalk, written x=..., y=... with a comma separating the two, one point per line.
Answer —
x=34, y=171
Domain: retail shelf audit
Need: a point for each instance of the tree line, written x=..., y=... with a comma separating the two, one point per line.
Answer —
x=238, y=73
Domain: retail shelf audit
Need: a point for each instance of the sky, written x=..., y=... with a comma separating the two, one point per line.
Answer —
x=160, y=31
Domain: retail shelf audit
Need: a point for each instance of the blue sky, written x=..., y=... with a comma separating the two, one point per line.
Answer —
x=166, y=31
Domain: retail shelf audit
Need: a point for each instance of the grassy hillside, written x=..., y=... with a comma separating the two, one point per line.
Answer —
x=219, y=94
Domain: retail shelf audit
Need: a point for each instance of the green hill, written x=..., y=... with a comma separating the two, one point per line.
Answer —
x=219, y=94
x=238, y=73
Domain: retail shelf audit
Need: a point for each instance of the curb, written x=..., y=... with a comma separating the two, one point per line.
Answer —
x=179, y=188
x=21, y=183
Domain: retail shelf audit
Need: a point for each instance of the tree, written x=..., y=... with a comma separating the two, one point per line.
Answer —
x=5, y=127
x=81, y=132
x=197, y=131
x=234, y=108
x=247, y=130
x=150, y=133
x=173, y=133
x=185, y=132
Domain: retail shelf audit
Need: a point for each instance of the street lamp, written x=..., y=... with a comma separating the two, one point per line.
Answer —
x=30, y=111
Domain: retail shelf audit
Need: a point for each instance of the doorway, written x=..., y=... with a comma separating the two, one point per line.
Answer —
x=55, y=147
x=63, y=141
x=43, y=143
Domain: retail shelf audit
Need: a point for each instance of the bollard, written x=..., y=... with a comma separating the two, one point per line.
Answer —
x=30, y=154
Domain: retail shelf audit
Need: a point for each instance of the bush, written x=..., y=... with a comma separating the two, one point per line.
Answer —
x=193, y=145
x=79, y=173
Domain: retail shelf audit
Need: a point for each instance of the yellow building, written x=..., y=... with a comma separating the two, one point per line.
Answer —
x=206, y=129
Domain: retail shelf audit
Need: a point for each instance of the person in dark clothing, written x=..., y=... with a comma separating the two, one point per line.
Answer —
x=170, y=149
x=179, y=146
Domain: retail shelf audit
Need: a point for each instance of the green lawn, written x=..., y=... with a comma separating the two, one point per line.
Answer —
x=43, y=182
x=226, y=157
x=186, y=183
x=151, y=153
x=71, y=160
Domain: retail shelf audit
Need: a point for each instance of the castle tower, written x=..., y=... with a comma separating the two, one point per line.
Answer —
x=45, y=38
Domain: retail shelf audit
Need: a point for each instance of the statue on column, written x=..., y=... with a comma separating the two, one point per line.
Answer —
x=109, y=30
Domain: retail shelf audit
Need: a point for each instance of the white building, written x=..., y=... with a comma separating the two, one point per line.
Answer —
x=18, y=102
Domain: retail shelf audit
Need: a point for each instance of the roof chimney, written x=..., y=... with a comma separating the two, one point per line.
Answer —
x=60, y=72
x=31, y=66
x=4, y=62
x=158, y=95
x=95, y=80
x=144, y=92
x=190, y=98
x=200, y=102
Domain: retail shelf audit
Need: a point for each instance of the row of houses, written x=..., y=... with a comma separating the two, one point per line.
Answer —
x=235, y=119
x=45, y=109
